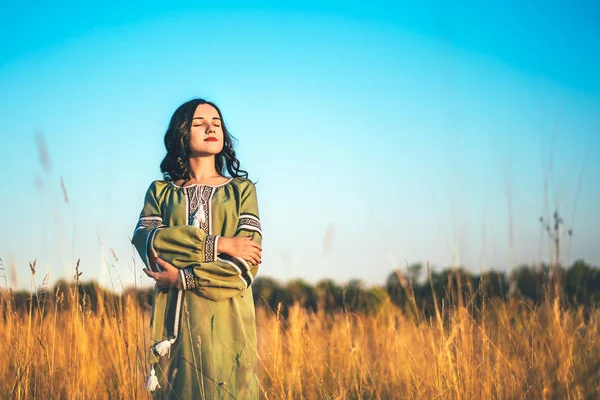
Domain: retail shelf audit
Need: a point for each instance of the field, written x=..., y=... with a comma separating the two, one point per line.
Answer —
x=65, y=345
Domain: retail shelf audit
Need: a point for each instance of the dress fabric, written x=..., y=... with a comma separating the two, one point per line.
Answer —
x=209, y=323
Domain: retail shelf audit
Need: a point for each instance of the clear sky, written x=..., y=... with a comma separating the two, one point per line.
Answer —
x=380, y=134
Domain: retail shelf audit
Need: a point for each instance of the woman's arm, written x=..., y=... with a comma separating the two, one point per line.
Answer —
x=182, y=243
x=228, y=275
x=149, y=222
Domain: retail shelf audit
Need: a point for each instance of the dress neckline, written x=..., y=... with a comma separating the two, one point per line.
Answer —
x=202, y=184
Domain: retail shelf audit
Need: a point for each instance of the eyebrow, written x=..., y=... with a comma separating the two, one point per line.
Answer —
x=214, y=118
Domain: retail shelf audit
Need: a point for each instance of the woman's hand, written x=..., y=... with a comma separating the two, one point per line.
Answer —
x=243, y=247
x=166, y=279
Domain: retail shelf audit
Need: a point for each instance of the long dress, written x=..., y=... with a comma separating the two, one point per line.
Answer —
x=207, y=329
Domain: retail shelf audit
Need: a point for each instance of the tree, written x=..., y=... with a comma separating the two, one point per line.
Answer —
x=329, y=296
x=266, y=291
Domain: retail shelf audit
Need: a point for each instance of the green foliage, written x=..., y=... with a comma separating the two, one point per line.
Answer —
x=583, y=283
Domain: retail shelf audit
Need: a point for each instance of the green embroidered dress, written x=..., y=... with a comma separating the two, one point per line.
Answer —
x=210, y=323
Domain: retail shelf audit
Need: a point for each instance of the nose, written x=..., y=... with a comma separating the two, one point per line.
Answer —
x=209, y=129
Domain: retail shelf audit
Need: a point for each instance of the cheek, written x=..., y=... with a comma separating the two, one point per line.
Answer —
x=195, y=133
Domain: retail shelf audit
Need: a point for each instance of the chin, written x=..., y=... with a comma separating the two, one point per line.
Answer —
x=206, y=151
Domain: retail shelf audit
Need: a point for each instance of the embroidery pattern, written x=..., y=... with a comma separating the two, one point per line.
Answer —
x=209, y=248
x=198, y=207
x=148, y=222
x=249, y=222
x=188, y=279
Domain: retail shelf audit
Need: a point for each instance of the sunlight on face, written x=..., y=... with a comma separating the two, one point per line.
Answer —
x=206, y=133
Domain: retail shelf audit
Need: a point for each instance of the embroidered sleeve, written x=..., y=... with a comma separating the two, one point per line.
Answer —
x=249, y=222
x=187, y=278
x=210, y=248
x=215, y=277
x=149, y=222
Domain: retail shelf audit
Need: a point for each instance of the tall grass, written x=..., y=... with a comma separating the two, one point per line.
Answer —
x=67, y=348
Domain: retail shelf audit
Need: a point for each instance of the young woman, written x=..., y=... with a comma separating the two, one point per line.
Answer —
x=200, y=237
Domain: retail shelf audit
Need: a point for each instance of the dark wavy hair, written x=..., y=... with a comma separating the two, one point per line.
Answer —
x=176, y=164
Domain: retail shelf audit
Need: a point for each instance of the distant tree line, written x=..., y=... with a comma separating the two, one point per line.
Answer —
x=411, y=289
x=414, y=288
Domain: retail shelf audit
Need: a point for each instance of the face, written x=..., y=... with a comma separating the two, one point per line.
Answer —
x=206, y=133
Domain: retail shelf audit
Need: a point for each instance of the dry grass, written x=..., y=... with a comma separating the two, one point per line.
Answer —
x=510, y=350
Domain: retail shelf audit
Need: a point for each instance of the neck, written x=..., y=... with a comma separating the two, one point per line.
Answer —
x=203, y=168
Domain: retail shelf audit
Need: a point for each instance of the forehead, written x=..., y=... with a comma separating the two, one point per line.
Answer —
x=206, y=111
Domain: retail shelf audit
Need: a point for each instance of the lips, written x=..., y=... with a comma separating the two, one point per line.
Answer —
x=210, y=139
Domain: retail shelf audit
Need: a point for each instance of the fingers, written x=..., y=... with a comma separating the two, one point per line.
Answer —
x=155, y=276
x=158, y=278
x=252, y=242
x=150, y=273
x=167, y=278
x=164, y=265
x=162, y=262
x=247, y=249
x=254, y=257
x=256, y=245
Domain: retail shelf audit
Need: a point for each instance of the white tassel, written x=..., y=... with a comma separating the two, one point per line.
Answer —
x=152, y=381
x=162, y=348
x=199, y=217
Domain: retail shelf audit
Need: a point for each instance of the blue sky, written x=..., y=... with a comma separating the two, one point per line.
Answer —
x=379, y=134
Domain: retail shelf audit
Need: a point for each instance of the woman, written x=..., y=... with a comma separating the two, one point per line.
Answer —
x=200, y=237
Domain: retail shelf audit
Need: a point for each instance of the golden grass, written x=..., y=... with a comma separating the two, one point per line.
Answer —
x=511, y=350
